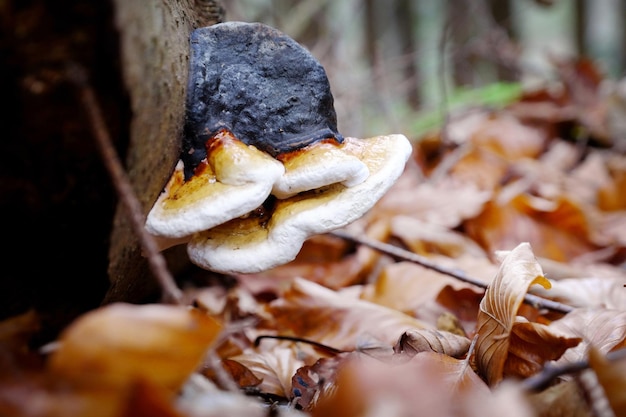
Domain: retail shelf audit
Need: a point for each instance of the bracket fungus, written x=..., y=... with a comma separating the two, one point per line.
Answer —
x=263, y=166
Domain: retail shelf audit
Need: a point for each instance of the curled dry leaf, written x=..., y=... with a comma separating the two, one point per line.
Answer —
x=116, y=345
x=316, y=313
x=413, y=342
x=309, y=382
x=497, y=321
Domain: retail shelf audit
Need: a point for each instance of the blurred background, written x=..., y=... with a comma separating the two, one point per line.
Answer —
x=398, y=65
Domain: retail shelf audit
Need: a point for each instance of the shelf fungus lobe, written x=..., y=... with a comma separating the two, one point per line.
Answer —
x=263, y=166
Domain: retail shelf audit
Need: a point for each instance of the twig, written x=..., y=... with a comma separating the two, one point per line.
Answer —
x=399, y=253
x=76, y=74
x=328, y=349
x=543, y=379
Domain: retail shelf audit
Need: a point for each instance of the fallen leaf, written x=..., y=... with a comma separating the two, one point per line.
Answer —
x=588, y=292
x=404, y=286
x=447, y=202
x=116, y=345
x=499, y=307
x=562, y=399
x=274, y=368
x=426, y=238
x=316, y=313
x=241, y=374
x=413, y=342
x=533, y=344
x=601, y=328
x=557, y=230
x=428, y=384
x=311, y=382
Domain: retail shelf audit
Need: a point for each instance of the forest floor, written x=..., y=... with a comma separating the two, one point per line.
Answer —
x=491, y=278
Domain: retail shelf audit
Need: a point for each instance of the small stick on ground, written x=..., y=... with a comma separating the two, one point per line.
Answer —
x=405, y=255
x=544, y=378
x=123, y=187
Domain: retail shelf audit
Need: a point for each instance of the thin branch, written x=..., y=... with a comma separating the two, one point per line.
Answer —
x=405, y=255
x=544, y=378
x=76, y=74
x=328, y=349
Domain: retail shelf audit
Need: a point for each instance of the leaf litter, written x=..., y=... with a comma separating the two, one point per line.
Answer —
x=528, y=199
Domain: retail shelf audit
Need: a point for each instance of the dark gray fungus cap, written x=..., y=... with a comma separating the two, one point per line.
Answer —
x=263, y=86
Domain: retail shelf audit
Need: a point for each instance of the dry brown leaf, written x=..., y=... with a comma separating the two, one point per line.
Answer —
x=116, y=360
x=413, y=342
x=427, y=238
x=533, y=344
x=493, y=146
x=116, y=345
x=510, y=138
x=309, y=382
x=602, y=328
x=336, y=319
x=563, y=399
x=243, y=376
x=612, y=377
x=429, y=384
x=447, y=202
x=557, y=230
x=498, y=309
x=404, y=286
x=274, y=367
x=148, y=400
x=589, y=292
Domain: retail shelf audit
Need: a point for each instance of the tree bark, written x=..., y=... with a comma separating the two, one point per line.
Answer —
x=154, y=37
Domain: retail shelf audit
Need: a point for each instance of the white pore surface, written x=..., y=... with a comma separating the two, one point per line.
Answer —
x=230, y=202
x=330, y=166
x=285, y=238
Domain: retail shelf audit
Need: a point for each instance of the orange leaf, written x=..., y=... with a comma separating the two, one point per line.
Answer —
x=557, y=230
x=116, y=345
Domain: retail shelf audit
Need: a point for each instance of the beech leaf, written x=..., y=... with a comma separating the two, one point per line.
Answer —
x=498, y=309
x=430, y=384
x=603, y=328
x=274, y=368
x=336, y=319
x=117, y=345
x=413, y=342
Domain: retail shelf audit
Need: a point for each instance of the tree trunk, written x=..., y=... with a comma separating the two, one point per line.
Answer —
x=154, y=38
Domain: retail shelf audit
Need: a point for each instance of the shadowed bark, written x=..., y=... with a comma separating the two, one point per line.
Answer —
x=154, y=38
